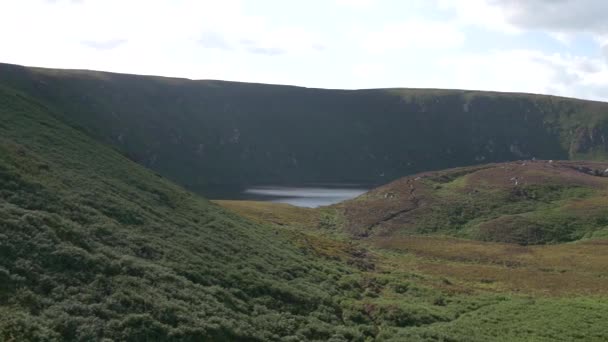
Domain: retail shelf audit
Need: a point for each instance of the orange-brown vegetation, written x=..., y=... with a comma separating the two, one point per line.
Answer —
x=574, y=268
x=524, y=202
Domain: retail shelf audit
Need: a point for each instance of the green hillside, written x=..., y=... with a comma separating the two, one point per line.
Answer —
x=94, y=246
x=525, y=202
x=205, y=133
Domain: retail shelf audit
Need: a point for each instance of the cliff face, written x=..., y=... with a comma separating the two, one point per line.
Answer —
x=202, y=133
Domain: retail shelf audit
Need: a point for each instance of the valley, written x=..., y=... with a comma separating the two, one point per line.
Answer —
x=529, y=283
x=469, y=231
x=513, y=292
x=553, y=270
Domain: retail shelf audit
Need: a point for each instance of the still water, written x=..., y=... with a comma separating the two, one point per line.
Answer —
x=310, y=197
x=301, y=196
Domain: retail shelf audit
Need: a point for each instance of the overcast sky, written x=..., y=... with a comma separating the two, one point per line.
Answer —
x=555, y=47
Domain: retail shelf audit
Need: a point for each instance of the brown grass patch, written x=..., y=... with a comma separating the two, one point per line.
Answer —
x=577, y=268
x=449, y=263
x=275, y=213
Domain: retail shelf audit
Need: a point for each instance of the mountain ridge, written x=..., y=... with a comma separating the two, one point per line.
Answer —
x=238, y=134
x=211, y=80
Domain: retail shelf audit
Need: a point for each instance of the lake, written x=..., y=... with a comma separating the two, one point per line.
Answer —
x=301, y=196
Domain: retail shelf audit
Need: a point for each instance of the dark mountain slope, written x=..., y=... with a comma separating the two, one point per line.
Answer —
x=525, y=202
x=94, y=246
x=202, y=133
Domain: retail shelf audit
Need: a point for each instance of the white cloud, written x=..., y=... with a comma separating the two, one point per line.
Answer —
x=556, y=16
x=563, y=37
x=513, y=16
x=214, y=40
x=140, y=36
x=413, y=34
x=498, y=70
x=368, y=71
x=356, y=4
x=480, y=13
x=104, y=44
x=528, y=71
x=284, y=39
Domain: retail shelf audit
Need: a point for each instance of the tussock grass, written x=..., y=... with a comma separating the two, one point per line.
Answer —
x=448, y=289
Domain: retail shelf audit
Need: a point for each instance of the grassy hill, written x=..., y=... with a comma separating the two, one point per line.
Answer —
x=93, y=246
x=205, y=133
x=438, y=288
x=524, y=202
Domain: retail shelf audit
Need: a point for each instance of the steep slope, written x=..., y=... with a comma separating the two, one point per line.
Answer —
x=204, y=133
x=525, y=202
x=94, y=246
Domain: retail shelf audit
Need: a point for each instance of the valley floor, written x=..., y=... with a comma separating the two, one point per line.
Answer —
x=444, y=288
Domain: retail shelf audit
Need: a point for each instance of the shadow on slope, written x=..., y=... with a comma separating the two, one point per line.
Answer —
x=202, y=133
x=94, y=246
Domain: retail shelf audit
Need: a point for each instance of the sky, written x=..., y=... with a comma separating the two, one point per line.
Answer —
x=557, y=47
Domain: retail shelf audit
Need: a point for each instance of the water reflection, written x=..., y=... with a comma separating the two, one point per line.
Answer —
x=310, y=197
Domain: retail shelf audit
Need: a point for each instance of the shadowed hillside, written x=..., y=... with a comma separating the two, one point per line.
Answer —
x=94, y=246
x=205, y=133
x=524, y=202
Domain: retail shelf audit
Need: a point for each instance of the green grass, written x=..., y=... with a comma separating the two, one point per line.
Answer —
x=519, y=320
x=94, y=246
x=445, y=289
x=518, y=202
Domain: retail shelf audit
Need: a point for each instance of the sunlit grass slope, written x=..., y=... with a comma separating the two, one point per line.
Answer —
x=428, y=288
x=524, y=202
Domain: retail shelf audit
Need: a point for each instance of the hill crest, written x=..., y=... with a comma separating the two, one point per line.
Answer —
x=210, y=133
x=525, y=202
